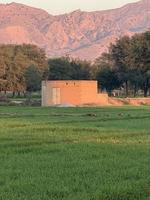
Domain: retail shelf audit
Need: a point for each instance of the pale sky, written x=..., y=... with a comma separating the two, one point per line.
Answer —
x=63, y=6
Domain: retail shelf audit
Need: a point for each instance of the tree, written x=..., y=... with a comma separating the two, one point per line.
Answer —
x=59, y=69
x=68, y=69
x=141, y=59
x=33, y=79
x=121, y=54
x=129, y=59
x=136, y=80
x=108, y=80
x=105, y=74
x=81, y=70
x=14, y=60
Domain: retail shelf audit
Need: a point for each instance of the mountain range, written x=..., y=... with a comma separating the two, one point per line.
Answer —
x=79, y=34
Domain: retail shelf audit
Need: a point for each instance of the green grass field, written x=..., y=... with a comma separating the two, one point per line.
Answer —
x=75, y=153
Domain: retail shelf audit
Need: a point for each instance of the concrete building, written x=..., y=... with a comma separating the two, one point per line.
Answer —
x=70, y=92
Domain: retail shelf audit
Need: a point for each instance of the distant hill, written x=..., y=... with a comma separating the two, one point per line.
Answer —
x=81, y=34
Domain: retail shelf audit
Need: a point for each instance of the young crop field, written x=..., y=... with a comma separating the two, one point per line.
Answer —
x=75, y=153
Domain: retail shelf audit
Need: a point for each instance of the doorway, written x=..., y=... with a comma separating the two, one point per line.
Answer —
x=56, y=96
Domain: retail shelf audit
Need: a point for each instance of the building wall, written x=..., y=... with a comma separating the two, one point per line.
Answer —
x=88, y=92
x=71, y=92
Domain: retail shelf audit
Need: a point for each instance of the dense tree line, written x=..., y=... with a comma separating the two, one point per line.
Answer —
x=126, y=66
x=66, y=68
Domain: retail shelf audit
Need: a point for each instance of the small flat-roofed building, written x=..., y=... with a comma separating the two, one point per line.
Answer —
x=72, y=92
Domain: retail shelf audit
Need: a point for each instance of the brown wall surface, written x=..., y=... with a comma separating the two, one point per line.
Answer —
x=128, y=101
x=88, y=92
x=71, y=92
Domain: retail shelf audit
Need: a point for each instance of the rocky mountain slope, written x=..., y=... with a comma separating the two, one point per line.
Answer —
x=81, y=34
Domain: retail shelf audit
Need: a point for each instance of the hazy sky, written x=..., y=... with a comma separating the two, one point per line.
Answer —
x=62, y=6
